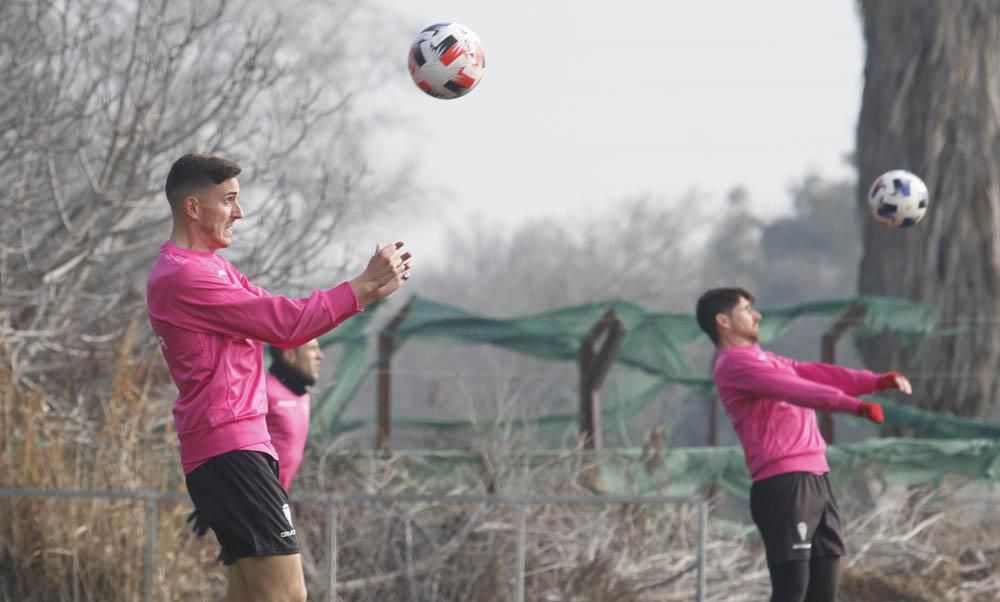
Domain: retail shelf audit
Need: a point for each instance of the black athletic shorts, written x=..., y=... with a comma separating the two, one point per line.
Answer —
x=797, y=516
x=238, y=495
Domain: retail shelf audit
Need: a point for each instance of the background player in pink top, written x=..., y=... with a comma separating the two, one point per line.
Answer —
x=291, y=373
x=212, y=323
x=771, y=401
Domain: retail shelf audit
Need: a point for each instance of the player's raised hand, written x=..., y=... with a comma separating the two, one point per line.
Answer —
x=893, y=380
x=386, y=271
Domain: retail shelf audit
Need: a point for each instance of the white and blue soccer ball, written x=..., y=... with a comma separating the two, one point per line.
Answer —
x=898, y=199
x=446, y=60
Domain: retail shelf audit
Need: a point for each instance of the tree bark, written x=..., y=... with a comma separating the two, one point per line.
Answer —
x=931, y=105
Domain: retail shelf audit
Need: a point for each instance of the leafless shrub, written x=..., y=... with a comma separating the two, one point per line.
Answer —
x=99, y=98
x=916, y=543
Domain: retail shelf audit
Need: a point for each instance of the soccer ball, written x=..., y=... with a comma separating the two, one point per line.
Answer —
x=446, y=60
x=898, y=199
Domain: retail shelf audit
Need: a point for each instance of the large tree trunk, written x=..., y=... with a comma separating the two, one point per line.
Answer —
x=931, y=105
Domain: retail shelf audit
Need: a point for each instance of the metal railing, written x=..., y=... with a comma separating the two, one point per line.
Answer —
x=151, y=499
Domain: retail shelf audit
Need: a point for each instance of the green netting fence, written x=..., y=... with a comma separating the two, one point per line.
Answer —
x=651, y=356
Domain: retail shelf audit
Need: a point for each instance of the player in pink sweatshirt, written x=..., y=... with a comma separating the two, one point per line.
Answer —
x=211, y=323
x=291, y=373
x=772, y=401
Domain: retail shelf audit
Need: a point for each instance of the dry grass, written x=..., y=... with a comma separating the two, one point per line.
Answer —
x=921, y=548
x=54, y=550
x=912, y=547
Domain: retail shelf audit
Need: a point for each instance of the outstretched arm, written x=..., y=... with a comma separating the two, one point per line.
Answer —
x=852, y=382
x=762, y=380
x=199, y=300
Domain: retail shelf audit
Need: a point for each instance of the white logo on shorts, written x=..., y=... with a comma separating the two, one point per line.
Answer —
x=803, y=530
x=288, y=516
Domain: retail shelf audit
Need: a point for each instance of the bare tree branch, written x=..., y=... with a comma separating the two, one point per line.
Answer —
x=99, y=98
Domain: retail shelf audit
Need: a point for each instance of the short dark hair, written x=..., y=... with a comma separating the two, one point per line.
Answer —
x=276, y=354
x=194, y=171
x=718, y=301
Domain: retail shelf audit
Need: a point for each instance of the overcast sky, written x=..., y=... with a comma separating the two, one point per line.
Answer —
x=584, y=104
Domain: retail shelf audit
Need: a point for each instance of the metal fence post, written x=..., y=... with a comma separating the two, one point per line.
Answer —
x=699, y=594
x=149, y=570
x=331, y=551
x=519, y=517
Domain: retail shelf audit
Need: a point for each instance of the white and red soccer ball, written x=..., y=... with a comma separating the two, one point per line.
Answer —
x=446, y=60
x=898, y=199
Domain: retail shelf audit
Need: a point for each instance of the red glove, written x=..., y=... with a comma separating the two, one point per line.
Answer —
x=871, y=411
x=887, y=381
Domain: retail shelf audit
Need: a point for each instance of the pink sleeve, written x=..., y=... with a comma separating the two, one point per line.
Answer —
x=203, y=302
x=764, y=381
x=852, y=382
x=250, y=286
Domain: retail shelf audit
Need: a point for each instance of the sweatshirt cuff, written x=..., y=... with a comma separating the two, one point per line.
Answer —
x=849, y=404
x=341, y=302
x=872, y=380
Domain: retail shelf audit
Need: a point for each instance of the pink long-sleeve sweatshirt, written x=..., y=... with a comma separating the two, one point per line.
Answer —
x=211, y=322
x=288, y=423
x=771, y=400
